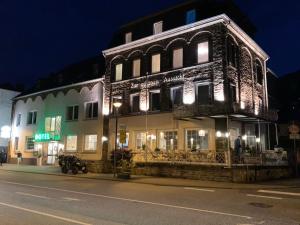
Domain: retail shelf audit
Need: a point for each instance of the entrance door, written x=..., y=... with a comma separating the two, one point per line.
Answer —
x=52, y=152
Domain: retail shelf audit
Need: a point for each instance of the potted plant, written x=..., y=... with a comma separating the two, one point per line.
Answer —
x=123, y=162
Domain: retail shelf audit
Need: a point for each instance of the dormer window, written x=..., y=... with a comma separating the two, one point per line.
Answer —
x=158, y=27
x=190, y=16
x=128, y=37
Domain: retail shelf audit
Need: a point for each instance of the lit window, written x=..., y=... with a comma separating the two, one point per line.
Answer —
x=203, y=55
x=203, y=94
x=136, y=68
x=119, y=71
x=19, y=116
x=128, y=37
x=135, y=102
x=90, y=143
x=140, y=140
x=196, y=139
x=124, y=145
x=53, y=124
x=155, y=67
x=158, y=27
x=91, y=110
x=31, y=117
x=177, y=58
x=177, y=95
x=71, y=143
x=72, y=112
x=29, y=143
x=155, y=100
x=168, y=140
x=190, y=16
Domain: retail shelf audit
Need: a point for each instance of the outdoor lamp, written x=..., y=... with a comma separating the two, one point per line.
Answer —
x=117, y=104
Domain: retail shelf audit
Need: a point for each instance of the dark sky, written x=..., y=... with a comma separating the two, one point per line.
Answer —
x=40, y=37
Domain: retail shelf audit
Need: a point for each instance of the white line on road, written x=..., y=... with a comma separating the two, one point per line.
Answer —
x=264, y=196
x=199, y=189
x=279, y=192
x=71, y=199
x=27, y=194
x=43, y=214
x=133, y=200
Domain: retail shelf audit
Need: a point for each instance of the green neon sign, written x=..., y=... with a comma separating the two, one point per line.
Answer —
x=41, y=137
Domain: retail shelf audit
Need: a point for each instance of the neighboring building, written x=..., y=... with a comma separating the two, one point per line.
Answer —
x=6, y=100
x=192, y=81
x=65, y=119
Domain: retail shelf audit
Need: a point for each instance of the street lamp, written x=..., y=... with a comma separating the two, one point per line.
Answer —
x=117, y=105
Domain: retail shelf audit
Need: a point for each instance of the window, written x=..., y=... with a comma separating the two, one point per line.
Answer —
x=158, y=27
x=136, y=68
x=72, y=112
x=29, y=143
x=90, y=143
x=16, y=143
x=231, y=52
x=71, y=143
x=259, y=72
x=197, y=139
x=155, y=63
x=190, y=16
x=168, y=140
x=178, y=58
x=202, y=50
x=140, y=140
x=31, y=117
x=233, y=93
x=118, y=71
x=124, y=145
x=18, y=123
x=177, y=96
x=155, y=100
x=53, y=124
x=128, y=37
x=91, y=110
x=204, y=94
x=135, y=103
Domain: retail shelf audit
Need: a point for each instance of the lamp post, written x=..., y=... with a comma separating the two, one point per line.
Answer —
x=117, y=105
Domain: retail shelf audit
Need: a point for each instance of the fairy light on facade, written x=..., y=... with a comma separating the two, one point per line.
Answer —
x=144, y=100
x=188, y=93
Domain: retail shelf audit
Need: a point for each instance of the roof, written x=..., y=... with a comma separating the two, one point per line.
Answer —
x=82, y=71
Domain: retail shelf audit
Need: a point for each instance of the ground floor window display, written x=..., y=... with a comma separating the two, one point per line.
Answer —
x=168, y=140
x=197, y=139
x=71, y=143
x=90, y=142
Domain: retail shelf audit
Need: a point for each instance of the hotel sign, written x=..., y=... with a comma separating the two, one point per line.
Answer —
x=44, y=137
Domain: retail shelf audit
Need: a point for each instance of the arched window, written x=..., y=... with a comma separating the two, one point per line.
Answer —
x=259, y=72
x=232, y=50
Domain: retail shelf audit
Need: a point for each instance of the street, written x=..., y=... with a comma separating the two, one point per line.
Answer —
x=48, y=199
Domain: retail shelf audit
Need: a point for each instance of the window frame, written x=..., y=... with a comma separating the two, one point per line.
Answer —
x=95, y=144
x=66, y=144
x=73, y=113
x=173, y=57
x=151, y=92
x=134, y=74
x=131, y=102
x=172, y=94
x=92, y=113
x=152, y=61
x=18, y=121
x=197, y=130
x=159, y=139
x=33, y=117
x=27, y=143
x=118, y=77
x=208, y=50
x=209, y=84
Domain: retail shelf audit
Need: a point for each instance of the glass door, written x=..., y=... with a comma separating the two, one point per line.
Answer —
x=52, y=152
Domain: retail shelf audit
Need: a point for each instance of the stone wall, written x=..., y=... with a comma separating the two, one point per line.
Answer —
x=212, y=172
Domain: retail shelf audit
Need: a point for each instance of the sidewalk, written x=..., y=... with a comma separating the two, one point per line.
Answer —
x=161, y=181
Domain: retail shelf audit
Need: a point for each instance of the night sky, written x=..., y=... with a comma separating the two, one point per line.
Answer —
x=40, y=37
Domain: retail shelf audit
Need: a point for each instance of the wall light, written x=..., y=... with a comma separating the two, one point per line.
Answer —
x=218, y=134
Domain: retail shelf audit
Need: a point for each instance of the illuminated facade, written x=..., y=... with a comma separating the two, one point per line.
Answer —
x=188, y=90
x=6, y=100
x=63, y=120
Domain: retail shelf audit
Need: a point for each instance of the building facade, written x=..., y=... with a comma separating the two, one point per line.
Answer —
x=188, y=92
x=6, y=100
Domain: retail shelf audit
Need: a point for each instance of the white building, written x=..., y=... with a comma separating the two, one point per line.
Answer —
x=6, y=97
x=65, y=119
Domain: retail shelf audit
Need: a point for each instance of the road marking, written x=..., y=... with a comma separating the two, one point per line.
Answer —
x=199, y=189
x=43, y=214
x=71, y=199
x=279, y=192
x=37, y=196
x=132, y=200
x=264, y=196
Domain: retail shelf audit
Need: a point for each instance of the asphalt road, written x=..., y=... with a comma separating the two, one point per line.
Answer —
x=47, y=199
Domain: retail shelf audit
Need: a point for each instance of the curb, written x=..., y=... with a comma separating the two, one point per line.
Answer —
x=141, y=182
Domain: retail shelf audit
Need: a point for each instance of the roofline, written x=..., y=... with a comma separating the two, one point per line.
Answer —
x=272, y=72
x=223, y=18
x=59, y=88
